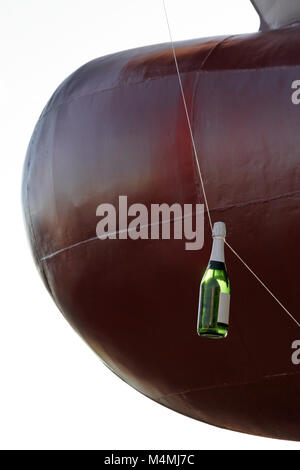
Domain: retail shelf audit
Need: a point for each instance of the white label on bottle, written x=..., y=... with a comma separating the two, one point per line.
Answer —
x=223, y=314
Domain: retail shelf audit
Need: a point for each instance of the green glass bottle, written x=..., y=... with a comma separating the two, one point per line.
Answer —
x=214, y=299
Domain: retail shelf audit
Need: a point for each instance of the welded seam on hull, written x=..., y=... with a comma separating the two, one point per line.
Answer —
x=27, y=206
x=212, y=50
x=198, y=177
x=257, y=201
x=228, y=385
x=231, y=206
x=111, y=234
x=123, y=86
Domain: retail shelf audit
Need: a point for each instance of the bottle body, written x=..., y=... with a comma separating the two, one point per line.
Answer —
x=213, y=316
x=214, y=299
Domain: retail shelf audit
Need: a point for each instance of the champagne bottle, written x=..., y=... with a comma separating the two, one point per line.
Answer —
x=214, y=299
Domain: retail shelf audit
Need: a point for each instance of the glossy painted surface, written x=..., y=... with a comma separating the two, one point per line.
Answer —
x=117, y=127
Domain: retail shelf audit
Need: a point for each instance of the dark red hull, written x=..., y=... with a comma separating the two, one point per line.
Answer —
x=117, y=127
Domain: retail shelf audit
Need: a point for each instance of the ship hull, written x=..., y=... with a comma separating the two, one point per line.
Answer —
x=117, y=127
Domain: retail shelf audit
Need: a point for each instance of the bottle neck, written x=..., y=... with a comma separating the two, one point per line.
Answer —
x=217, y=252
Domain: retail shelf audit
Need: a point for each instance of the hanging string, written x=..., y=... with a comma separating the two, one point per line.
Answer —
x=261, y=282
x=188, y=118
x=201, y=178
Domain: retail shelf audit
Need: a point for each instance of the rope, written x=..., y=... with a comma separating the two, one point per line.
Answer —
x=188, y=118
x=262, y=283
x=201, y=178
